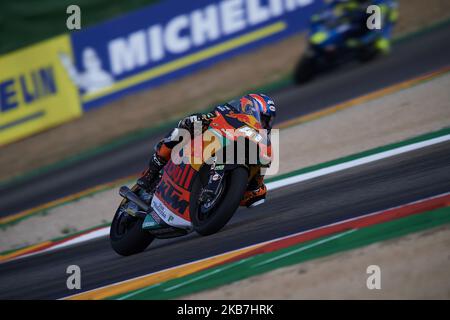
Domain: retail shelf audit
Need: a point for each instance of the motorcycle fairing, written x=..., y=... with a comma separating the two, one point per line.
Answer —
x=242, y=124
x=172, y=195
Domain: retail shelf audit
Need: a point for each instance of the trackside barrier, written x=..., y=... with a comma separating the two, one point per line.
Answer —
x=57, y=80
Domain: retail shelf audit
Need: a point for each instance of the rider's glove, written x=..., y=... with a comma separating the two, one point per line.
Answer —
x=188, y=122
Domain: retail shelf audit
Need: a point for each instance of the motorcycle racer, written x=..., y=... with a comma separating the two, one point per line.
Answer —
x=256, y=189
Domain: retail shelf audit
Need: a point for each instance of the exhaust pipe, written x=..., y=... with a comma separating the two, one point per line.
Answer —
x=125, y=192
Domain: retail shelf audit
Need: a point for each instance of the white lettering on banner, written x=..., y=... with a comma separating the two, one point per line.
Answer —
x=294, y=4
x=232, y=14
x=193, y=29
x=175, y=42
x=256, y=12
x=303, y=3
x=205, y=25
x=156, y=42
x=276, y=7
x=290, y=5
x=128, y=54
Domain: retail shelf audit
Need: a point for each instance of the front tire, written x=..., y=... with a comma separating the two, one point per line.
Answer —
x=236, y=185
x=126, y=234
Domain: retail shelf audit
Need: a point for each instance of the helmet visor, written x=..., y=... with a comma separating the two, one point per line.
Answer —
x=267, y=121
x=247, y=106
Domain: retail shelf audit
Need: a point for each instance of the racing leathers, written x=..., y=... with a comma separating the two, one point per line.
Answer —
x=256, y=189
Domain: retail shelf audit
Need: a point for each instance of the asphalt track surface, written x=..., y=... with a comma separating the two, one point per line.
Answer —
x=350, y=193
x=414, y=57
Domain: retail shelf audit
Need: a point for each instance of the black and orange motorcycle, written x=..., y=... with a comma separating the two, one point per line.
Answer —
x=201, y=194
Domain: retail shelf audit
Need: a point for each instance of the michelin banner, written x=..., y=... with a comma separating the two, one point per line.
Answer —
x=56, y=80
x=173, y=38
x=36, y=91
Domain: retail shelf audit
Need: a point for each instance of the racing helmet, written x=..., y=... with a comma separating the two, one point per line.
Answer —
x=259, y=105
x=266, y=108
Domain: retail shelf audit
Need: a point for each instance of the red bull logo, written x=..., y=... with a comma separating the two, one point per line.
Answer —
x=246, y=118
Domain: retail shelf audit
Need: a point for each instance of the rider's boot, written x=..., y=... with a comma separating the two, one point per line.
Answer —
x=150, y=176
x=253, y=198
x=255, y=193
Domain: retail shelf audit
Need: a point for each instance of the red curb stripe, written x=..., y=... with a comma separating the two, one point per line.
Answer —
x=376, y=218
x=39, y=248
x=76, y=236
x=50, y=244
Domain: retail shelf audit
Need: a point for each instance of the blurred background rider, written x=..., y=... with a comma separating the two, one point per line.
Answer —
x=355, y=12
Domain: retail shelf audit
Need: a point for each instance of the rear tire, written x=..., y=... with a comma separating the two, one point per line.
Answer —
x=368, y=54
x=129, y=238
x=305, y=70
x=226, y=207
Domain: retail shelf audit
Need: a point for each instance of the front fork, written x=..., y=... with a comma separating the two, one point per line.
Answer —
x=216, y=174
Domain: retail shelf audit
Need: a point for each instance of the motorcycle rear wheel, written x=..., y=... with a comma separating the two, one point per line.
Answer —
x=305, y=70
x=368, y=53
x=235, y=187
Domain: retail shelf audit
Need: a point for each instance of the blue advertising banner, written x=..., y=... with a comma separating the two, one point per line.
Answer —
x=173, y=38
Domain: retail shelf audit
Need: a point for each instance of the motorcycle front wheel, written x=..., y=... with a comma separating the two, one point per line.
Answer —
x=211, y=221
x=126, y=234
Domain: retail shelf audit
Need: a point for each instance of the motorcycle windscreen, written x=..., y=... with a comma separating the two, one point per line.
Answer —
x=172, y=195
